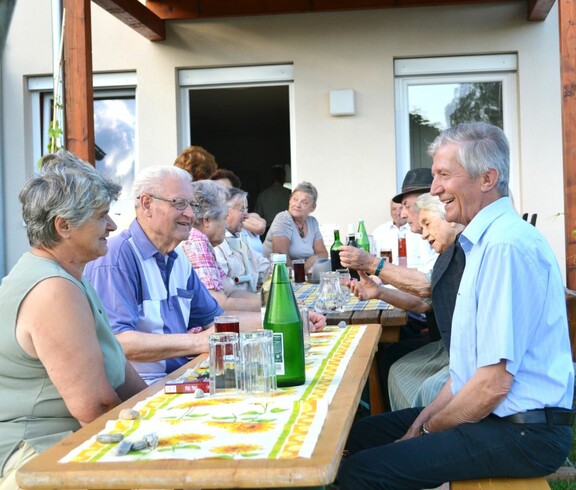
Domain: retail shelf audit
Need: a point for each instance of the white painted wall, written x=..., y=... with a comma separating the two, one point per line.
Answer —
x=350, y=159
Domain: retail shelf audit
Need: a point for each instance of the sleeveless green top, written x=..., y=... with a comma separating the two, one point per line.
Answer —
x=32, y=410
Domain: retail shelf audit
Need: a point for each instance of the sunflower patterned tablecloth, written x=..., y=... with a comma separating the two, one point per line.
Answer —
x=286, y=425
x=307, y=292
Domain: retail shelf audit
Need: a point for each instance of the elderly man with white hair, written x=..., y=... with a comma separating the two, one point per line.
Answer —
x=160, y=311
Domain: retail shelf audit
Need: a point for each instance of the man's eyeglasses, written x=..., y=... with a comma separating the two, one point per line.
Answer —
x=180, y=204
x=242, y=210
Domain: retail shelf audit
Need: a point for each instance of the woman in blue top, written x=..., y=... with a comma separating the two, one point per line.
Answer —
x=296, y=233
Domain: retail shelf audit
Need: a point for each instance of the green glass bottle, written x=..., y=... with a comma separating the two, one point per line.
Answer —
x=362, y=237
x=334, y=253
x=352, y=243
x=283, y=318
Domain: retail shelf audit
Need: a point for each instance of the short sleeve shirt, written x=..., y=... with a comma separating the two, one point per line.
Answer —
x=300, y=248
x=145, y=291
x=203, y=259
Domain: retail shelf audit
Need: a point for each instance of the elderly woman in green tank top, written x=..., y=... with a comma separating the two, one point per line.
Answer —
x=60, y=364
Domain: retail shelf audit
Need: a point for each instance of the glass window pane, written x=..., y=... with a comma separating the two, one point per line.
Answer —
x=435, y=107
x=114, y=132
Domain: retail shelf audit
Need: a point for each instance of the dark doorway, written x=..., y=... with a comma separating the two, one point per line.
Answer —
x=247, y=129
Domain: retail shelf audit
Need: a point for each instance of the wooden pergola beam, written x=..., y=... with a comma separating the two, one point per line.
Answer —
x=567, y=28
x=539, y=9
x=78, y=96
x=137, y=16
x=205, y=9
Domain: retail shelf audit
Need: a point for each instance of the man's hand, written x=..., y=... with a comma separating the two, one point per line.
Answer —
x=356, y=258
x=364, y=289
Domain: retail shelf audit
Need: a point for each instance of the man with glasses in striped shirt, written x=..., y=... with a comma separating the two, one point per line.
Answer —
x=159, y=309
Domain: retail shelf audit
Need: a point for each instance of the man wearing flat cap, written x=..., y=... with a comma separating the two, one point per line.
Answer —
x=414, y=280
x=419, y=252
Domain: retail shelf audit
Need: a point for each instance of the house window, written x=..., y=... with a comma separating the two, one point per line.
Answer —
x=436, y=93
x=114, y=123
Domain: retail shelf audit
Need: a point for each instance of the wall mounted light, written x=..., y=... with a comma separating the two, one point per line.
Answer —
x=342, y=102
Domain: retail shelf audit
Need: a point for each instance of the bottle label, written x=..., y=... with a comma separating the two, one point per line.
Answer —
x=278, y=344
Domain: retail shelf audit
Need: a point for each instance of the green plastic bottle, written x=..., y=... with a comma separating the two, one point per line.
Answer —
x=283, y=318
x=362, y=237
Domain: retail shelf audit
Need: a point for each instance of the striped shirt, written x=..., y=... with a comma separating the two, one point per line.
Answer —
x=145, y=291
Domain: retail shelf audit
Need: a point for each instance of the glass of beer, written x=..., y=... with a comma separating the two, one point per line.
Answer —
x=227, y=324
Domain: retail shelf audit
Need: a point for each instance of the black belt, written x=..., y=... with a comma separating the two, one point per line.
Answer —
x=549, y=415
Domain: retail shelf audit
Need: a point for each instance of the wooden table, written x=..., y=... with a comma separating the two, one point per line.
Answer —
x=392, y=321
x=45, y=472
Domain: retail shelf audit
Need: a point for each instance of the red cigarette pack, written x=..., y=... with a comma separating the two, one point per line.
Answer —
x=187, y=384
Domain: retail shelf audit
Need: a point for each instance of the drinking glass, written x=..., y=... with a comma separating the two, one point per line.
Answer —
x=299, y=272
x=257, y=363
x=386, y=253
x=227, y=324
x=344, y=279
x=305, y=329
x=224, y=363
x=329, y=293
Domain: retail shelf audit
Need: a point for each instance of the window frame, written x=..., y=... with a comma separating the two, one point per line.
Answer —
x=457, y=69
x=41, y=88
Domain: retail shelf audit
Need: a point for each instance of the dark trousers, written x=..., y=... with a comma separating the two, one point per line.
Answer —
x=490, y=448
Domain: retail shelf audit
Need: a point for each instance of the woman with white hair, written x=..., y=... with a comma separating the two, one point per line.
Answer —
x=243, y=265
x=207, y=233
x=416, y=377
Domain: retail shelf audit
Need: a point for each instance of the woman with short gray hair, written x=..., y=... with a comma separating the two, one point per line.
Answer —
x=294, y=232
x=67, y=368
x=208, y=232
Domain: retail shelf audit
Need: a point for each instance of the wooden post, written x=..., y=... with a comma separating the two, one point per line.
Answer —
x=567, y=28
x=77, y=80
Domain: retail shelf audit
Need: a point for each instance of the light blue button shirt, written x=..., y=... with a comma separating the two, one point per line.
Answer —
x=511, y=305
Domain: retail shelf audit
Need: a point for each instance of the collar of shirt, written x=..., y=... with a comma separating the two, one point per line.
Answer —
x=476, y=228
x=143, y=243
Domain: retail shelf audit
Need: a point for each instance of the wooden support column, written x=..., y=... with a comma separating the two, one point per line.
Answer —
x=78, y=89
x=567, y=20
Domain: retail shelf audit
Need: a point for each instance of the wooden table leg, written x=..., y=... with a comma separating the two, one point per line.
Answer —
x=374, y=387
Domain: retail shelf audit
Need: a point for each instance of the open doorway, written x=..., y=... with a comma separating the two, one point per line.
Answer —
x=246, y=128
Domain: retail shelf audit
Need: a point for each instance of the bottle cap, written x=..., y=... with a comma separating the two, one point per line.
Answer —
x=350, y=228
x=278, y=258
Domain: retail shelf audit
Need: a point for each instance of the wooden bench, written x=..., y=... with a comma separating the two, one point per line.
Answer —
x=501, y=484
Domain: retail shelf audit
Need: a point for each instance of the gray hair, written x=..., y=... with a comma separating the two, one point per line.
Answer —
x=67, y=187
x=309, y=189
x=481, y=146
x=151, y=180
x=211, y=197
x=430, y=203
x=236, y=196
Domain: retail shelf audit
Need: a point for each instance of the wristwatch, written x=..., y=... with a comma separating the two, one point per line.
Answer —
x=423, y=430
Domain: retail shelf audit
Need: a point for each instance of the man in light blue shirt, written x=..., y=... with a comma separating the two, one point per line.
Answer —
x=506, y=409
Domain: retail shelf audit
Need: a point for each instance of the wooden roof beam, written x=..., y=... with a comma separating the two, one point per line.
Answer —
x=137, y=16
x=205, y=9
x=539, y=9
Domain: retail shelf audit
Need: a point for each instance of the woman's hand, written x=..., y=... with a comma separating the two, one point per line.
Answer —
x=255, y=223
x=317, y=321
